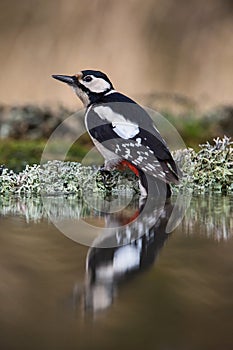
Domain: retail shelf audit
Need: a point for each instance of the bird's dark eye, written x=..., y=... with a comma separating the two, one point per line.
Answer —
x=87, y=78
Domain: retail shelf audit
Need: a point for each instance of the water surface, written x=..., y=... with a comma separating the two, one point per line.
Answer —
x=163, y=291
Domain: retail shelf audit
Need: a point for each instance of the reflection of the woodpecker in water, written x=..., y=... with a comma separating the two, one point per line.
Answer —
x=208, y=216
x=106, y=268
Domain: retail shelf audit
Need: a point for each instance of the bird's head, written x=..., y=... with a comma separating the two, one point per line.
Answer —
x=89, y=85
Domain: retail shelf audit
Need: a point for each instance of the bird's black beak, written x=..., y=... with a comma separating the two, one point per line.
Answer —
x=70, y=80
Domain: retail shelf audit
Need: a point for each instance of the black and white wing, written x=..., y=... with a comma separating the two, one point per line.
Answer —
x=127, y=130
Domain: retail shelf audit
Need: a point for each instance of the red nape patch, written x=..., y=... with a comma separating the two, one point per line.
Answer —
x=125, y=164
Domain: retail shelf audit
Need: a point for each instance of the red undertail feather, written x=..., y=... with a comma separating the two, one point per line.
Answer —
x=125, y=164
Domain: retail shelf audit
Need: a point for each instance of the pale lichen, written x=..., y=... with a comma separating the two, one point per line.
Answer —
x=209, y=170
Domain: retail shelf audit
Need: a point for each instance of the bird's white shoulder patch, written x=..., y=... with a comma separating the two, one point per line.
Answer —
x=121, y=126
x=126, y=130
x=106, y=113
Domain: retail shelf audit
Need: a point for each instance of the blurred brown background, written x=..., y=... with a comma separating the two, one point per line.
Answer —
x=171, y=46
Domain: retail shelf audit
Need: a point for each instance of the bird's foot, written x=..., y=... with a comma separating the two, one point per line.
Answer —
x=105, y=180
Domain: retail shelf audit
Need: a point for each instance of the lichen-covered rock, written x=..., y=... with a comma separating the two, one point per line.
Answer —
x=57, y=177
x=210, y=169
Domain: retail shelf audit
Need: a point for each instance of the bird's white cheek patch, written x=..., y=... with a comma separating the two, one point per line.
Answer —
x=125, y=130
x=97, y=85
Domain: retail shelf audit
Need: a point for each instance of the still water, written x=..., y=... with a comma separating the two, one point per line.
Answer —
x=160, y=291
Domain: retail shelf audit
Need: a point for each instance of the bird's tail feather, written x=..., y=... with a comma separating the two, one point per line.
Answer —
x=170, y=174
x=154, y=187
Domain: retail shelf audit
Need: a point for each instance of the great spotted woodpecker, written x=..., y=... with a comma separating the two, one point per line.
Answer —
x=123, y=131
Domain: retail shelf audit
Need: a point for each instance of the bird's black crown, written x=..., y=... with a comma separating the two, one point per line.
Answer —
x=97, y=74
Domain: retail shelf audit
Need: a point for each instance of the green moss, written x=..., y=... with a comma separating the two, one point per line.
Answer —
x=16, y=154
x=194, y=129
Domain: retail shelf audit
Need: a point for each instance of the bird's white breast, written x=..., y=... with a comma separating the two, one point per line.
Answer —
x=110, y=157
